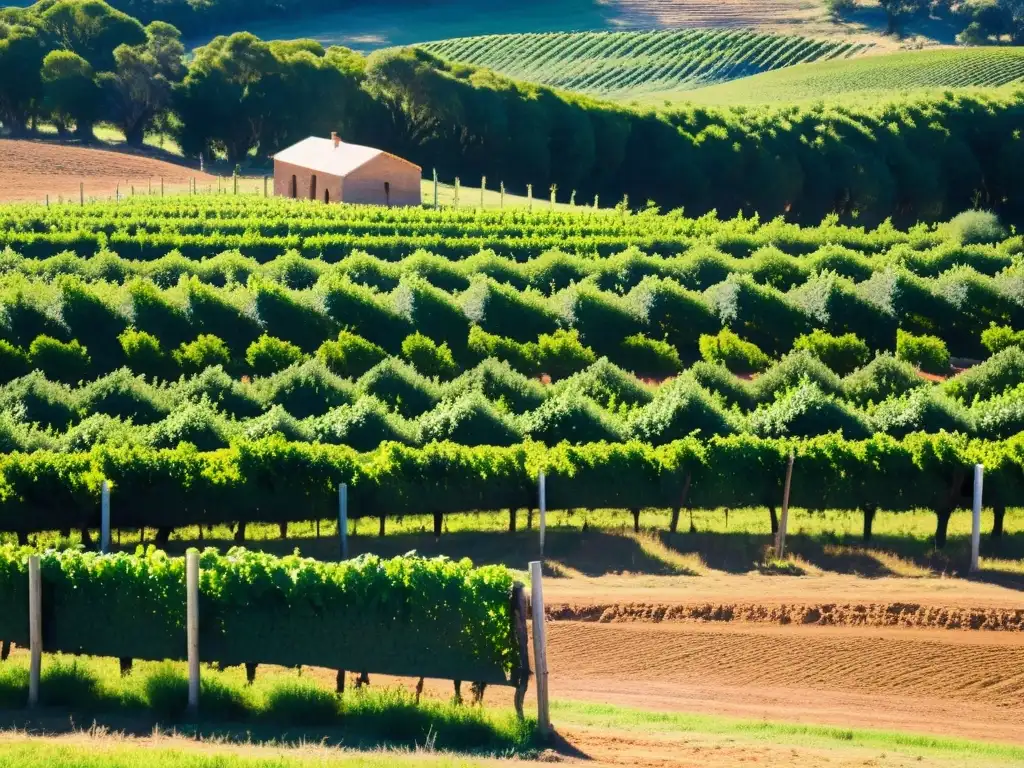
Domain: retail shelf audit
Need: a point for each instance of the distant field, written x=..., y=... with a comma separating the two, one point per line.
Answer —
x=891, y=73
x=628, y=64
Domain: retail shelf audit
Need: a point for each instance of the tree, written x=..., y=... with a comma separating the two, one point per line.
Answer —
x=139, y=88
x=897, y=11
x=22, y=48
x=92, y=29
x=70, y=92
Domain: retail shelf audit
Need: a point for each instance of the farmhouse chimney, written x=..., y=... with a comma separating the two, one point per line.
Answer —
x=335, y=139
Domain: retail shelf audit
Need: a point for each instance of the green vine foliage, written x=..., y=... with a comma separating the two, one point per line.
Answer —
x=404, y=616
x=273, y=480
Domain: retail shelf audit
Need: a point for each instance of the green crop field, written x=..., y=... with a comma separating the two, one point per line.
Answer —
x=628, y=64
x=870, y=76
x=395, y=349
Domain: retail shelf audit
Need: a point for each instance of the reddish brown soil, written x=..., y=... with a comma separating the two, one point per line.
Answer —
x=31, y=170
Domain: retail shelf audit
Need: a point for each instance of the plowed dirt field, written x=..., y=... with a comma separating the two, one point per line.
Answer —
x=30, y=170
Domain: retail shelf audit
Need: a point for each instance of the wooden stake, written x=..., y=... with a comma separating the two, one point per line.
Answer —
x=979, y=476
x=780, y=539
x=343, y=519
x=105, y=517
x=192, y=608
x=543, y=500
x=81, y=193
x=540, y=650
x=35, y=629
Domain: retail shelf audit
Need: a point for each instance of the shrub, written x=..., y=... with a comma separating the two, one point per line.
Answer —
x=364, y=311
x=928, y=353
x=921, y=410
x=680, y=408
x=428, y=358
x=468, y=420
x=1000, y=417
x=975, y=227
x=155, y=313
x=524, y=358
x=601, y=319
x=562, y=353
x=292, y=270
x=350, y=356
x=230, y=396
x=843, y=354
x=269, y=355
x=277, y=421
x=90, y=319
x=759, y=313
x=305, y=389
x=807, y=412
x=296, y=317
x=362, y=268
x=718, y=380
x=729, y=350
x=432, y=312
x=206, y=351
x=571, y=418
x=672, y=313
x=195, y=423
x=649, y=357
x=996, y=338
x=219, y=311
x=13, y=362
x=882, y=378
x=143, y=354
x=400, y=386
x=166, y=693
x=59, y=361
x=124, y=395
x=101, y=429
x=498, y=382
x=439, y=271
x=608, y=385
x=363, y=426
x=505, y=311
x=37, y=400
x=790, y=371
x=70, y=685
x=1003, y=371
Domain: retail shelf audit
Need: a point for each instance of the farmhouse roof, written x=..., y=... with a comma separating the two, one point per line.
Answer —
x=326, y=156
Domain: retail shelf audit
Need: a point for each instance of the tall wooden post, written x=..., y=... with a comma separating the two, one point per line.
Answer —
x=35, y=629
x=161, y=186
x=540, y=649
x=81, y=193
x=780, y=537
x=543, y=505
x=435, y=188
x=264, y=186
x=343, y=519
x=192, y=613
x=105, y=517
x=979, y=475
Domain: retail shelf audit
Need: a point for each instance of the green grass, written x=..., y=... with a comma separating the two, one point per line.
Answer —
x=626, y=65
x=868, y=76
x=282, y=705
x=913, y=745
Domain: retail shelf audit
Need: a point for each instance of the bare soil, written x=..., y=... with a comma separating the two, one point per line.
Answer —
x=31, y=170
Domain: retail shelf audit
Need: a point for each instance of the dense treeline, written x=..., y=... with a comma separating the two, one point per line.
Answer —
x=78, y=61
x=272, y=480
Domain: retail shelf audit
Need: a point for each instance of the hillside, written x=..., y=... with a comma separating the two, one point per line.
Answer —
x=628, y=64
x=870, y=76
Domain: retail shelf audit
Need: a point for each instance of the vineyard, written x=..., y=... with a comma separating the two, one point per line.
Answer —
x=920, y=70
x=234, y=359
x=625, y=64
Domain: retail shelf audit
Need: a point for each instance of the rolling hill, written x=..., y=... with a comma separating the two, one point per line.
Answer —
x=627, y=65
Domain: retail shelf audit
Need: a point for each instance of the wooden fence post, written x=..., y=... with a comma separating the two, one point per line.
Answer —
x=161, y=186
x=81, y=193
x=105, y=517
x=483, y=188
x=523, y=643
x=35, y=629
x=435, y=188
x=979, y=476
x=264, y=186
x=540, y=649
x=343, y=519
x=780, y=537
x=192, y=611
x=543, y=505
x=503, y=195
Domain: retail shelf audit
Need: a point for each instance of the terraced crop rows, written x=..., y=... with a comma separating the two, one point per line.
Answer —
x=614, y=64
x=961, y=68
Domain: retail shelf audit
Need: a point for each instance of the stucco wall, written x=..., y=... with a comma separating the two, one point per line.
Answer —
x=283, y=173
x=366, y=183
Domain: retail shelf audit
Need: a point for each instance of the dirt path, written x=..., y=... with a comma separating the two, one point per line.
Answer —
x=30, y=170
